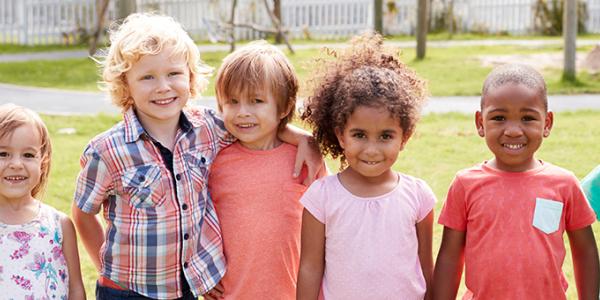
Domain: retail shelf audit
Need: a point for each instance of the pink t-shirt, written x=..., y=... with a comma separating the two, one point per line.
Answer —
x=256, y=200
x=514, y=225
x=371, y=243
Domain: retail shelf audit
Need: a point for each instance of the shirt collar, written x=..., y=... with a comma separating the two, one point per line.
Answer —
x=134, y=129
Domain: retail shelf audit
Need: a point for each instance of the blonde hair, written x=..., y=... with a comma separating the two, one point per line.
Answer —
x=148, y=34
x=257, y=66
x=14, y=116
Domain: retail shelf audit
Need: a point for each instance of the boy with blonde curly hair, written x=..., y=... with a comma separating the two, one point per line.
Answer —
x=149, y=172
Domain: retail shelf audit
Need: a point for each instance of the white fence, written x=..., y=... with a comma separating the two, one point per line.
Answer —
x=61, y=21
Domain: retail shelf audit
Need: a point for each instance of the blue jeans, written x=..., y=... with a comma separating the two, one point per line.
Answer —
x=106, y=293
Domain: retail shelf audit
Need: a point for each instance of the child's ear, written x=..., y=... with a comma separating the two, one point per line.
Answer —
x=287, y=111
x=548, y=123
x=479, y=123
x=340, y=137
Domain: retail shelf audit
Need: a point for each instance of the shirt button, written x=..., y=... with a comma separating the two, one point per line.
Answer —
x=185, y=265
x=186, y=236
x=202, y=160
x=141, y=178
x=178, y=177
x=184, y=206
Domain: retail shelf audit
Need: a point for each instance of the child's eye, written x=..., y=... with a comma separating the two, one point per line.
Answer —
x=528, y=118
x=29, y=155
x=147, y=77
x=256, y=100
x=498, y=118
x=175, y=73
x=386, y=136
x=233, y=101
x=3, y=154
x=359, y=135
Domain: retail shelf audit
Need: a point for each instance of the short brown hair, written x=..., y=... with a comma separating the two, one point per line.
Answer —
x=256, y=66
x=14, y=116
x=515, y=74
x=148, y=34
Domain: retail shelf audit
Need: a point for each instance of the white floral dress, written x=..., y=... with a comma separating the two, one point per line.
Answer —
x=32, y=264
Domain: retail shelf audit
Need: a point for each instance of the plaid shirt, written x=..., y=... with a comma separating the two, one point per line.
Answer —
x=151, y=232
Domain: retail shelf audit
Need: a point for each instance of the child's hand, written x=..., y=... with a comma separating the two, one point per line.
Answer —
x=309, y=154
x=214, y=294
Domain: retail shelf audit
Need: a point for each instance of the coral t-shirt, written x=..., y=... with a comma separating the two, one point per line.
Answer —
x=257, y=203
x=514, y=225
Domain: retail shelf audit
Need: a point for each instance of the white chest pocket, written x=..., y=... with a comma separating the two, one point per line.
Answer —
x=546, y=216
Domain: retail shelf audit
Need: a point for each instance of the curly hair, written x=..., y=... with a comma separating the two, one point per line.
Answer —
x=12, y=117
x=147, y=34
x=364, y=74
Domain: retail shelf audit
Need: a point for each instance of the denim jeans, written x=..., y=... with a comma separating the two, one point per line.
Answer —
x=106, y=293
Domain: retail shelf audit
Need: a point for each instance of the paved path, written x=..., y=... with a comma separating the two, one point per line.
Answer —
x=53, y=101
x=57, y=55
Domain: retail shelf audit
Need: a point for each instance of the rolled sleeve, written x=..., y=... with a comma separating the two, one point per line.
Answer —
x=93, y=182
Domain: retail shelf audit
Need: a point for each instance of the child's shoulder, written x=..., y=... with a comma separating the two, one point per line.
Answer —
x=108, y=137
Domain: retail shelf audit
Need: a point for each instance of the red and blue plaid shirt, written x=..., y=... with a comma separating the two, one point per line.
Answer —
x=152, y=233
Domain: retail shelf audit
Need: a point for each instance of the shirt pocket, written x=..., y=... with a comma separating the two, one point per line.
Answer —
x=144, y=186
x=546, y=216
x=198, y=167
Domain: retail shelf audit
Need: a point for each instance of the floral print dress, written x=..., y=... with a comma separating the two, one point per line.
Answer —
x=32, y=264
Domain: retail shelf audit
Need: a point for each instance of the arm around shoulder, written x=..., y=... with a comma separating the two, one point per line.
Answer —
x=308, y=152
x=585, y=262
x=76, y=290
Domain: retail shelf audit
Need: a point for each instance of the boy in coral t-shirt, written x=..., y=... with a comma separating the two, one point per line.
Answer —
x=505, y=218
x=256, y=198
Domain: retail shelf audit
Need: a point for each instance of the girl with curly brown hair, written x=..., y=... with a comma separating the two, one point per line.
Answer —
x=367, y=230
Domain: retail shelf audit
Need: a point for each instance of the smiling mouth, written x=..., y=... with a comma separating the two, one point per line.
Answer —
x=15, y=178
x=245, y=125
x=165, y=101
x=513, y=146
x=371, y=163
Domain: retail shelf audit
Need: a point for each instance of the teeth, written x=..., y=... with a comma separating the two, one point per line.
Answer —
x=164, y=101
x=245, y=125
x=513, y=146
x=15, y=177
x=370, y=162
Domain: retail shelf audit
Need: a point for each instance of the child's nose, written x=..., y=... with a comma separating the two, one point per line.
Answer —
x=244, y=110
x=513, y=129
x=163, y=85
x=15, y=163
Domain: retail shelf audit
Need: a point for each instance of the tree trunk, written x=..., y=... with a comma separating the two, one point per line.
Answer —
x=125, y=8
x=378, y=16
x=421, y=28
x=232, y=22
x=101, y=8
x=277, y=13
x=570, y=38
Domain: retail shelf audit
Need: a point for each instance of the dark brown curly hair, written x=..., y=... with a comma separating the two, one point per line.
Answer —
x=364, y=74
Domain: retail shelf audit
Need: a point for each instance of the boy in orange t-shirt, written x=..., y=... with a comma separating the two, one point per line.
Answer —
x=505, y=218
x=256, y=198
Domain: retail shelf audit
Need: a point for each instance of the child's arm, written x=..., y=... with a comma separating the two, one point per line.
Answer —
x=449, y=264
x=585, y=262
x=69, y=245
x=215, y=293
x=312, y=258
x=91, y=233
x=308, y=152
x=424, y=236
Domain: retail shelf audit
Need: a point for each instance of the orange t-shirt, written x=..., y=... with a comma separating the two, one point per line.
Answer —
x=257, y=202
x=514, y=225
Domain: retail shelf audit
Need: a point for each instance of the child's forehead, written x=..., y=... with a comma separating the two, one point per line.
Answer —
x=513, y=94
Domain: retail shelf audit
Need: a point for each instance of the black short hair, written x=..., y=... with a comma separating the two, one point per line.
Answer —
x=515, y=74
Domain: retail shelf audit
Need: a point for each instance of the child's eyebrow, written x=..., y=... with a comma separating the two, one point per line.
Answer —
x=531, y=110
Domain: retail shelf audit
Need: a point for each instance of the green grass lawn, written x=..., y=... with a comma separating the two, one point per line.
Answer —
x=442, y=145
x=449, y=71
